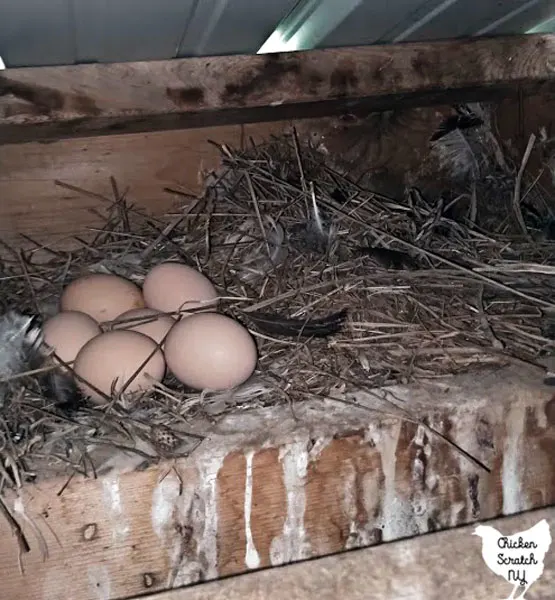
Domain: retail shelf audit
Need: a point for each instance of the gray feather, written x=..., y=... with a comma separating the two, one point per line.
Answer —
x=456, y=155
x=21, y=351
x=20, y=342
x=253, y=391
x=266, y=256
x=317, y=233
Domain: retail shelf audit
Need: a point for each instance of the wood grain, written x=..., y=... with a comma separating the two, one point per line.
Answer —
x=269, y=487
x=446, y=564
x=32, y=204
x=88, y=100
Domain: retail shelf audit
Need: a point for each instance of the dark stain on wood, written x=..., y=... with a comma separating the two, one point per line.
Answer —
x=550, y=411
x=376, y=535
x=47, y=100
x=484, y=433
x=122, y=126
x=343, y=81
x=85, y=105
x=271, y=73
x=421, y=457
x=424, y=63
x=539, y=455
x=186, y=96
x=361, y=517
x=44, y=99
x=378, y=74
x=434, y=521
x=473, y=494
x=406, y=453
x=314, y=81
x=547, y=447
x=452, y=490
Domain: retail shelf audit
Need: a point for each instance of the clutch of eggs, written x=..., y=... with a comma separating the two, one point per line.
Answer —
x=118, y=338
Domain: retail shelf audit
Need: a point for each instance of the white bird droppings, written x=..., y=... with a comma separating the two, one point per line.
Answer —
x=99, y=582
x=209, y=468
x=513, y=499
x=164, y=499
x=292, y=544
x=252, y=558
x=397, y=515
x=114, y=506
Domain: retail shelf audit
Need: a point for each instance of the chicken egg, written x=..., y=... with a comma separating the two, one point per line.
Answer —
x=109, y=360
x=67, y=332
x=210, y=351
x=103, y=297
x=148, y=321
x=172, y=286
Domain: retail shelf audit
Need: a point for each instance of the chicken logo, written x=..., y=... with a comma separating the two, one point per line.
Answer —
x=519, y=557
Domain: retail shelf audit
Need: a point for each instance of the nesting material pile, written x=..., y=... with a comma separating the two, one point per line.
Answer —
x=342, y=289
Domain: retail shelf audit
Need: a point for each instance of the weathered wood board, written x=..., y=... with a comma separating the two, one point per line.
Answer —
x=274, y=486
x=33, y=205
x=446, y=564
x=53, y=102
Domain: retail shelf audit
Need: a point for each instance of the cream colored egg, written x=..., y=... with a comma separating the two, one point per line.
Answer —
x=101, y=296
x=67, y=332
x=210, y=351
x=147, y=321
x=172, y=286
x=114, y=357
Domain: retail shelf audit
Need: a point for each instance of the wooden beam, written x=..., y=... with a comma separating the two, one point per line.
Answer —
x=447, y=564
x=271, y=486
x=56, y=102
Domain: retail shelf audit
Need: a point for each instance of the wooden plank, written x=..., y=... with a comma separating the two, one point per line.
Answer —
x=271, y=486
x=447, y=564
x=57, y=102
x=33, y=205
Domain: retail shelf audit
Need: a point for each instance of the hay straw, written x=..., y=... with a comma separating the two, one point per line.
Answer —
x=443, y=317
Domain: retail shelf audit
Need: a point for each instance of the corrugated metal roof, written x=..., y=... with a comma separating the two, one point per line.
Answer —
x=35, y=32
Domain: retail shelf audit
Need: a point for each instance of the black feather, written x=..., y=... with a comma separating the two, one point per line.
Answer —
x=549, y=230
x=338, y=196
x=274, y=324
x=389, y=259
x=460, y=121
x=63, y=390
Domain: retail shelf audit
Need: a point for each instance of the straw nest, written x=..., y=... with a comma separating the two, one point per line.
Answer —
x=342, y=288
